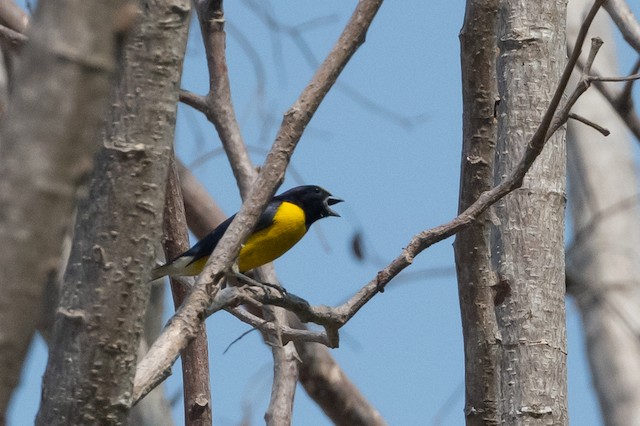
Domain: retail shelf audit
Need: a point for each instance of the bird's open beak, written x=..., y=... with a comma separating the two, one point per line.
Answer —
x=329, y=202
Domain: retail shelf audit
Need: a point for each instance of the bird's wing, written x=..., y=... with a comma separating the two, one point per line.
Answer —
x=266, y=218
x=205, y=246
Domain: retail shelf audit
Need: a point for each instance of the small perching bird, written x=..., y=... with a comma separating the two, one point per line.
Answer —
x=284, y=222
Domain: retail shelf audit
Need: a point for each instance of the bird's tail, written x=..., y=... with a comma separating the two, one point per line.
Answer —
x=176, y=267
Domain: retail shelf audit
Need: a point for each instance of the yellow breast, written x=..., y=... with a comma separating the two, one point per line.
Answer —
x=272, y=242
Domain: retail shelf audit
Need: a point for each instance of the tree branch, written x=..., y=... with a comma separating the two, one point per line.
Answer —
x=478, y=54
x=626, y=22
x=622, y=102
x=217, y=103
x=590, y=123
x=13, y=16
x=195, y=357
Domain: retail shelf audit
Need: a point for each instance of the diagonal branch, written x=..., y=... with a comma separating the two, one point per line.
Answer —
x=627, y=23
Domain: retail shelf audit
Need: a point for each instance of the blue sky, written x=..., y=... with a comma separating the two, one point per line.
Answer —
x=398, y=176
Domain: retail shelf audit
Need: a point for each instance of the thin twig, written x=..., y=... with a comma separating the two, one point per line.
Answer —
x=625, y=95
x=621, y=102
x=589, y=123
x=583, y=84
x=237, y=339
x=194, y=101
x=287, y=333
x=295, y=33
x=631, y=77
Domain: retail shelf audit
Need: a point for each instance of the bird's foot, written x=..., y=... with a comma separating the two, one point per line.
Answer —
x=250, y=281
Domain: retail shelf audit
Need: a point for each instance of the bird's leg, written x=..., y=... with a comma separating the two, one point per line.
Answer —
x=235, y=273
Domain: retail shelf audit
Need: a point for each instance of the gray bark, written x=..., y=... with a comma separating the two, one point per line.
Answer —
x=603, y=261
x=98, y=325
x=61, y=90
x=528, y=236
x=510, y=263
x=478, y=40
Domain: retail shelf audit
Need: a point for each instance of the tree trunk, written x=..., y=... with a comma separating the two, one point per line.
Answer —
x=528, y=237
x=97, y=330
x=510, y=264
x=603, y=262
x=56, y=108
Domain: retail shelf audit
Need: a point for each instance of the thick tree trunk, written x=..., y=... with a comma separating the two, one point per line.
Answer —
x=97, y=330
x=603, y=261
x=61, y=90
x=510, y=264
x=528, y=236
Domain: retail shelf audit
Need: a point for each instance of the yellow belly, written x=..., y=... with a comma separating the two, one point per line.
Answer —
x=272, y=242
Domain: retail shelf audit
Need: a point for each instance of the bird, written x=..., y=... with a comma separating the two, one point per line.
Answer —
x=286, y=219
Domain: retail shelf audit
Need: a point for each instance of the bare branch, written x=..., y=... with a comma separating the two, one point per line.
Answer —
x=334, y=318
x=590, y=123
x=632, y=77
x=286, y=369
x=287, y=333
x=621, y=102
x=13, y=16
x=219, y=108
x=295, y=33
x=15, y=38
x=195, y=101
x=202, y=213
x=195, y=357
x=626, y=22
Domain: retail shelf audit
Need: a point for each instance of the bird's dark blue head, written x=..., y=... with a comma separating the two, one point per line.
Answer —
x=315, y=201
